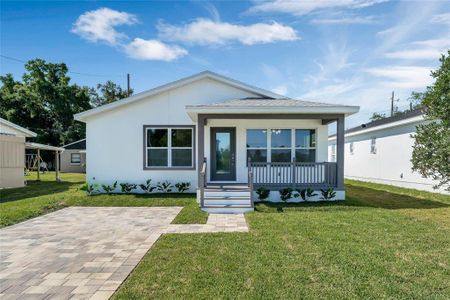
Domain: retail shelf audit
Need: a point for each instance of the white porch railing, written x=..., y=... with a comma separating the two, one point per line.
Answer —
x=294, y=174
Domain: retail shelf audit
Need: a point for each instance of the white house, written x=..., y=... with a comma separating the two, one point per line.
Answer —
x=206, y=129
x=381, y=151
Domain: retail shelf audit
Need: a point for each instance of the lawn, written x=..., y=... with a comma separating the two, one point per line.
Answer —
x=382, y=242
x=40, y=197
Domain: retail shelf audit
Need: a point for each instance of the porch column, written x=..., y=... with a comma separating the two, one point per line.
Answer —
x=340, y=143
x=57, y=165
x=201, y=120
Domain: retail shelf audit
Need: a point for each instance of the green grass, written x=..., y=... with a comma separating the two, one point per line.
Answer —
x=40, y=197
x=383, y=242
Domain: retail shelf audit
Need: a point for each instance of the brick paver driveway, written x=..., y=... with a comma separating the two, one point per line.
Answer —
x=77, y=252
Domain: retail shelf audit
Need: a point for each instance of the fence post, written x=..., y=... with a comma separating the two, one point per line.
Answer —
x=293, y=171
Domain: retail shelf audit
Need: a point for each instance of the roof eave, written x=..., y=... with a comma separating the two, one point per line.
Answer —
x=193, y=111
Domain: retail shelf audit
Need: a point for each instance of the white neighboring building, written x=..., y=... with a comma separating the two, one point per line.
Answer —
x=381, y=152
x=203, y=129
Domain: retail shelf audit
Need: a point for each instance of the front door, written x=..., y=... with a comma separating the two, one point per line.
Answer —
x=223, y=154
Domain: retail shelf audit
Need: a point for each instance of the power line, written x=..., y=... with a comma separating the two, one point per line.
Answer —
x=71, y=72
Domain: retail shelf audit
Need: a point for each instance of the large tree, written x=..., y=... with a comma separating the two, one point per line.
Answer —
x=45, y=102
x=109, y=92
x=431, y=154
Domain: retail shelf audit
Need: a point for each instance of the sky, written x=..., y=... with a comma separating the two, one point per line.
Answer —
x=338, y=51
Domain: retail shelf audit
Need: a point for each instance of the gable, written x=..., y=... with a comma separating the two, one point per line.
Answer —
x=218, y=87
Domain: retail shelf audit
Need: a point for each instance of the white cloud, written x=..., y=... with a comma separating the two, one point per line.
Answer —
x=352, y=19
x=98, y=25
x=427, y=49
x=208, y=32
x=441, y=19
x=153, y=50
x=300, y=8
x=329, y=92
x=412, y=77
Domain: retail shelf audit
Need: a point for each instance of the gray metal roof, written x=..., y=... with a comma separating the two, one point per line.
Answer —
x=266, y=102
x=398, y=117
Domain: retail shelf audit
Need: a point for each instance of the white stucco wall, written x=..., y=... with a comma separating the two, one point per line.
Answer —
x=391, y=164
x=115, y=139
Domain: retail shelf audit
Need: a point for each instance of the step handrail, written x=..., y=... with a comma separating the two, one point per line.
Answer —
x=250, y=181
x=202, y=183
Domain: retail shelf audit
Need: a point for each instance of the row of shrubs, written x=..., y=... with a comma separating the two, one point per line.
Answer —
x=288, y=193
x=147, y=187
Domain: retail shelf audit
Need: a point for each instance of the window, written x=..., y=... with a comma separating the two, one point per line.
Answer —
x=75, y=158
x=305, y=145
x=169, y=147
x=280, y=145
x=333, y=153
x=352, y=148
x=373, y=146
x=257, y=145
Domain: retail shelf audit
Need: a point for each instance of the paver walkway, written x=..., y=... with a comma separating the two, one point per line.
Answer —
x=87, y=252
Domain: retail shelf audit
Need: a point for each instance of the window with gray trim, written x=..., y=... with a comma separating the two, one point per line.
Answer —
x=280, y=145
x=169, y=147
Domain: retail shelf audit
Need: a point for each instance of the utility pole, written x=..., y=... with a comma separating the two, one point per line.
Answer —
x=392, y=104
x=128, y=84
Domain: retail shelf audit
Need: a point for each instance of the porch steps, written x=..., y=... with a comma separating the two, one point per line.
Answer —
x=227, y=199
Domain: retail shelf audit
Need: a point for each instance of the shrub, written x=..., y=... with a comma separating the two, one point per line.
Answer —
x=147, y=187
x=328, y=194
x=286, y=194
x=90, y=188
x=164, y=187
x=109, y=188
x=306, y=194
x=262, y=193
x=127, y=187
x=182, y=186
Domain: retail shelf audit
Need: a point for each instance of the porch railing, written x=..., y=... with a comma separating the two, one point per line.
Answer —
x=202, y=183
x=294, y=174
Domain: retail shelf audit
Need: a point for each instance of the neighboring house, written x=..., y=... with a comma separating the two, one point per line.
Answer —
x=381, y=151
x=12, y=153
x=203, y=129
x=73, y=158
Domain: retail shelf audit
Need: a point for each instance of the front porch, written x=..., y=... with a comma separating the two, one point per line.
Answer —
x=234, y=190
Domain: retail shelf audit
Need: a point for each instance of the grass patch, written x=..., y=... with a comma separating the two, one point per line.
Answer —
x=40, y=197
x=383, y=242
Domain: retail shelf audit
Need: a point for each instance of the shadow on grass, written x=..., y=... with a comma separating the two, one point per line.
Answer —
x=36, y=189
x=357, y=196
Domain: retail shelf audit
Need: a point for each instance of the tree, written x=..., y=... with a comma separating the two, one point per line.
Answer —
x=377, y=116
x=431, y=150
x=109, y=92
x=415, y=100
x=45, y=102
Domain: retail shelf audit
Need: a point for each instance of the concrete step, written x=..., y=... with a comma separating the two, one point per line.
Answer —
x=227, y=201
x=212, y=194
x=224, y=209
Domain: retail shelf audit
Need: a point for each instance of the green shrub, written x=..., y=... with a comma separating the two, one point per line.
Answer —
x=262, y=193
x=164, y=187
x=109, y=188
x=147, y=187
x=328, y=194
x=306, y=194
x=286, y=194
x=127, y=187
x=182, y=186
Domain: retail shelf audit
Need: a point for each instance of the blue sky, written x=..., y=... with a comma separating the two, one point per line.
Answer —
x=343, y=51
